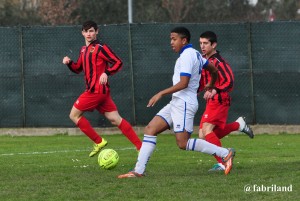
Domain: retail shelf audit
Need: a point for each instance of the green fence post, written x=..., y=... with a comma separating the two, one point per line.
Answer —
x=22, y=76
x=131, y=72
x=251, y=74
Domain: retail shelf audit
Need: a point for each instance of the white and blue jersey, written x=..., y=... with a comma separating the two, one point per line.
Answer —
x=181, y=110
x=190, y=63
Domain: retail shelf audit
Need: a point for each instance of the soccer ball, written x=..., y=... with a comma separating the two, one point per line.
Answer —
x=108, y=159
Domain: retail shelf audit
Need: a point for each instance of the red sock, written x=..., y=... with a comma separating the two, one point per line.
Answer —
x=88, y=130
x=128, y=131
x=212, y=138
x=220, y=133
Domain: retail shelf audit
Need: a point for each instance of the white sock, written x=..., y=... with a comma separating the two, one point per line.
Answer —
x=148, y=146
x=221, y=165
x=206, y=147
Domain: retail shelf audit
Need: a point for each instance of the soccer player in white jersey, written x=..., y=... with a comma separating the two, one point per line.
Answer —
x=181, y=110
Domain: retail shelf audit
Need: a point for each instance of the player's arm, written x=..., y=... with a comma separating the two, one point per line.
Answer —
x=115, y=63
x=74, y=67
x=210, y=87
x=226, y=77
x=182, y=84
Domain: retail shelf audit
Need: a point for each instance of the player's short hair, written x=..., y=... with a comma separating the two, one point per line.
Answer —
x=210, y=35
x=89, y=24
x=182, y=32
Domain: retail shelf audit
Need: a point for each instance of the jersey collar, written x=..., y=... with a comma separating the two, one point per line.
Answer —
x=94, y=42
x=185, y=47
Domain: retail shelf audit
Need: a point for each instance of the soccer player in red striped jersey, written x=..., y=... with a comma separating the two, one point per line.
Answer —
x=213, y=125
x=98, y=62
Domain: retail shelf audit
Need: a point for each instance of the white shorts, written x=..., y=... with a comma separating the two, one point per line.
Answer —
x=179, y=114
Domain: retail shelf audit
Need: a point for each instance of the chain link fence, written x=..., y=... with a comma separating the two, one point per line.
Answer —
x=37, y=90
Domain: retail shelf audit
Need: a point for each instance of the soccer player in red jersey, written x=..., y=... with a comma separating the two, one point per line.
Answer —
x=213, y=125
x=98, y=62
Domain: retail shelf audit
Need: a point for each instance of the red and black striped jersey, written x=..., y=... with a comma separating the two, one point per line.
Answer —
x=225, y=79
x=94, y=60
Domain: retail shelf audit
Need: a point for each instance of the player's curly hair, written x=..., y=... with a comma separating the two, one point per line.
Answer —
x=182, y=32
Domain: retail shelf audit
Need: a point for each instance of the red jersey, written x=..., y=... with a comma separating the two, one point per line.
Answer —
x=225, y=79
x=94, y=60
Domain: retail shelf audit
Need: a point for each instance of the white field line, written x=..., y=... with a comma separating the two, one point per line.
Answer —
x=61, y=151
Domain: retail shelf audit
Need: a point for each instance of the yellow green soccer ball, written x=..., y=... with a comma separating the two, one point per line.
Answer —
x=108, y=159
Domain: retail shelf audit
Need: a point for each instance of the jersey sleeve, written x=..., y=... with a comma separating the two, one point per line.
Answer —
x=76, y=67
x=186, y=64
x=225, y=76
x=115, y=63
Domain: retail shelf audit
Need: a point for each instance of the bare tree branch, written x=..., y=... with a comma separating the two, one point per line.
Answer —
x=177, y=9
x=58, y=12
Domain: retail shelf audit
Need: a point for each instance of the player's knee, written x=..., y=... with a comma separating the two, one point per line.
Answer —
x=72, y=117
x=204, y=133
x=201, y=135
x=113, y=122
x=116, y=121
x=149, y=130
x=114, y=118
x=181, y=145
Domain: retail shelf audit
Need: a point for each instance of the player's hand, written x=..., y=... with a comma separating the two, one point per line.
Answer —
x=103, y=78
x=66, y=60
x=209, y=94
x=154, y=99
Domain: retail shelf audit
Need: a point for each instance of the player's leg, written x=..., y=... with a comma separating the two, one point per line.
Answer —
x=222, y=132
x=200, y=134
x=183, y=119
x=207, y=125
x=218, y=166
x=158, y=124
x=244, y=127
x=155, y=126
x=125, y=127
x=86, y=102
x=211, y=137
x=239, y=125
x=203, y=146
x=183, y=115
x=75, y=115
x=109, y=109
x=84, y=125
x=215, y=116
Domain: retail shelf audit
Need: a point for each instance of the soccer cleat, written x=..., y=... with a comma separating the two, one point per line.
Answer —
x=244, y=127
x=217, y=168
x=130, y=175
x=228, y=160
x=98, y=147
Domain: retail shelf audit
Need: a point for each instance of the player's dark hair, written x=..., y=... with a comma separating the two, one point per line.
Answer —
x=89, y=24
x=210, y=35
x=182, y=32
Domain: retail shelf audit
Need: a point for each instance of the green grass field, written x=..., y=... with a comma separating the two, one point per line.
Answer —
x=58, y=168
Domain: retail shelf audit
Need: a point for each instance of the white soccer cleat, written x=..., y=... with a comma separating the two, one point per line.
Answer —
x=244, y=127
